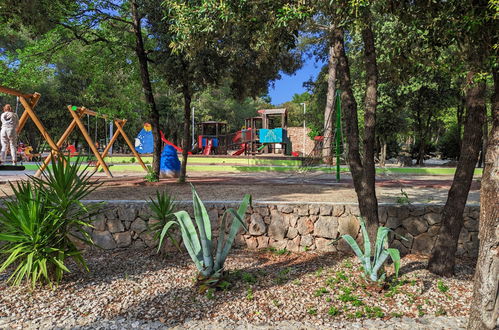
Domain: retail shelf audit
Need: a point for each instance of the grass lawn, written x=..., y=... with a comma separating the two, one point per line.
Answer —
x=283, y=168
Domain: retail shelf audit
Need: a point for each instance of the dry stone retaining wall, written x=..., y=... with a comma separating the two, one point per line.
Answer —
x=294, y=226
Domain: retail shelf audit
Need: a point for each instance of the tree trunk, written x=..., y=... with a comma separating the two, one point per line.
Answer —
x=370, y=104
x=442, y=259
x=186, y=141
x=484, y=312
x=327, y=145
x=419, y=137
x=382, y=156
x=483, y=153
x=460, y=116
x=147, y=87
x=364, y=188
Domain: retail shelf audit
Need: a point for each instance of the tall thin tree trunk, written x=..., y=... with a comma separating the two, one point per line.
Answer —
x=382, y=155
x=364, y=186
x=186, y=141
x=370, y=104
x=442, y=259
x=483, y=153
x=327, y=145
x=147, y=87
x=485, y=304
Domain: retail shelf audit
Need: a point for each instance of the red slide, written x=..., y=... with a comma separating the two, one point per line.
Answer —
x=207, y=149
x=241, y=150
x=171, y=144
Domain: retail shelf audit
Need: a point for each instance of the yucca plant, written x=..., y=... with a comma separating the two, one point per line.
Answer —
x=163, y=209
x=198, y=239
x=39, y=223
x=373, y=264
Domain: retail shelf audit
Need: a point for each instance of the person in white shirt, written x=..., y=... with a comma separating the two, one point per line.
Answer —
x=8, y=133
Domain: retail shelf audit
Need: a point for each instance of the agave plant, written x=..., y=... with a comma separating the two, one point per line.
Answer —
x=198, y=239
x=39, y=224
x=373, y=265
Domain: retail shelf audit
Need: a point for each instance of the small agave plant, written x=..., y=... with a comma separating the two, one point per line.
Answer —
x=198, y=238
x=373, y=265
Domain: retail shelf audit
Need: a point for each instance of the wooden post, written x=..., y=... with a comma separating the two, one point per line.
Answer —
x=39, y=125
x=87, y=137
x=14, y=92
x=24, y=117
x=63, y=138
x=108, y=147
x=127, y=140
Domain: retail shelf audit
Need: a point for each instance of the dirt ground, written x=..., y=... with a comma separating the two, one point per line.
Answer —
x=271, y=186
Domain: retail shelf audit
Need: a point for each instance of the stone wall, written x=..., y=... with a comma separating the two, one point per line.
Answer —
x=294, y=226
x=295, y=135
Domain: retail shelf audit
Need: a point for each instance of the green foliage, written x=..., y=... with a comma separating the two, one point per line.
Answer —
x=198, y=238
x=248, y=278
x=38, y=226
x=403, y=198
x=373, y=265
x=373, y=312
x=333, y=311
x=320, y=292
x=312, y=311
x=151, y=176
x=249, y=294
x=163, y=209
x=448, y=144
x=442, y=287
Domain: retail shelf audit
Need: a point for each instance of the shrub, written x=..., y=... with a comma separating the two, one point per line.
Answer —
x=372, y=265
x=39, y=224
x=151, y=176
x=163, y=209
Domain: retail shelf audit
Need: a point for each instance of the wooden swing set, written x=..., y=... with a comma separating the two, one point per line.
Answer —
x=29, y=102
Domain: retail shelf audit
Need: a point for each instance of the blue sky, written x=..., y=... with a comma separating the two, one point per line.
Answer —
x=289, y=85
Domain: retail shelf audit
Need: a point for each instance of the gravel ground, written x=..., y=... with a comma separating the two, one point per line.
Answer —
x=139, y=289
x=265, y=186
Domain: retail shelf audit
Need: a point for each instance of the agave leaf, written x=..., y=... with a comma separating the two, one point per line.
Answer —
x=379, y=262
x=367, y=244
x=164, y=231
x=234, y=229
x=190, y=238
x=221, y=237
x=236, y=224
x=395, y=255
x=204, y=226
x=380, y=241
x=355, y=247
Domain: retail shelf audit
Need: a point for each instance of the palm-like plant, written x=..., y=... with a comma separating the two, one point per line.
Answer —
x=38, y=223
x=372, y=265
x=163, y=209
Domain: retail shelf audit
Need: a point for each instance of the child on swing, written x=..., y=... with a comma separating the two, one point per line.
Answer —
x=8, y=133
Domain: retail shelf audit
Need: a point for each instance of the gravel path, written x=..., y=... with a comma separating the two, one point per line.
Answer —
x=265, y=186
x=139, y=289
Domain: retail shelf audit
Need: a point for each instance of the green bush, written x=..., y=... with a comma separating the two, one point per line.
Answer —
x=151, y=176
x=449, y=143
x=39, y=224
x=163, y=209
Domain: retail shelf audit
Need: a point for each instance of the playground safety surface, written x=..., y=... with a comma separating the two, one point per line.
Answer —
x=270, y=186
